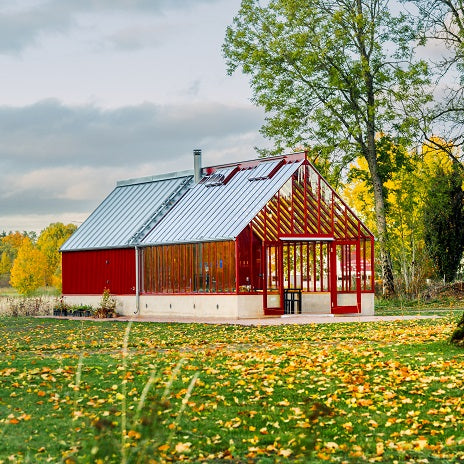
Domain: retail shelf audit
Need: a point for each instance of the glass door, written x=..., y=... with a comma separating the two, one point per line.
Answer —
x=273, y=288
x=345, y=291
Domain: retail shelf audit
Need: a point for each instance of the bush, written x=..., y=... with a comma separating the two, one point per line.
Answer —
x=107, y=306
x=458, y=335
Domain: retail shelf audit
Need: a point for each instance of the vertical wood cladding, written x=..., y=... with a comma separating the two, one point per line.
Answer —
x=90, y=272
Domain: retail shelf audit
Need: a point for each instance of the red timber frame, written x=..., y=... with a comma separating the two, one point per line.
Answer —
x=314, y=243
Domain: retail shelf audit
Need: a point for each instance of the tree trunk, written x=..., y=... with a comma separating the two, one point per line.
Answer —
x=370, y=154
x=387, y=271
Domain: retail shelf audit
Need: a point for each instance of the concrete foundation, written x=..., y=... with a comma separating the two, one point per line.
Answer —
x=217, y=306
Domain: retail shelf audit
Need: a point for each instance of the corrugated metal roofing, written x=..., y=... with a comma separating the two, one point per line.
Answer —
x=131, y=209
x=221, y=211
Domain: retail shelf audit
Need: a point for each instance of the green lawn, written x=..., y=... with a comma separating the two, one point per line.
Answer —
x=378, y=392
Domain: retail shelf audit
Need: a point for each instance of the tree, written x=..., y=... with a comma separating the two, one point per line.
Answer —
x=404, y=198
x=5, y=263
x=441, y=23
x=14, y=240
x=9, y=246
x=49, y=243
x=443, y=212
x=334, y=71
x=28, y=272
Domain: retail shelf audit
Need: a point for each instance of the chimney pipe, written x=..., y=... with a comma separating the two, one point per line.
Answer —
x=197, y=164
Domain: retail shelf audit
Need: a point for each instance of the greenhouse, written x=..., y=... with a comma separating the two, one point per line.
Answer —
x=250, y=239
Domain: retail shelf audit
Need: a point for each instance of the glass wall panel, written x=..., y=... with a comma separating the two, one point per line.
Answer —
x=250, y=272
x=190, y=268
x=273, y=278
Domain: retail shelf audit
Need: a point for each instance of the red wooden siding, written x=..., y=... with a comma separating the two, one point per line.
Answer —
x=90, y=272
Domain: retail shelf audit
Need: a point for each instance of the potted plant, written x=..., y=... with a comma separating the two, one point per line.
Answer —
x=61, y=308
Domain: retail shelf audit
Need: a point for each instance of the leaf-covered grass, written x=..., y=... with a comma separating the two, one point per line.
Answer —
x=75, y=391
x=404, y=307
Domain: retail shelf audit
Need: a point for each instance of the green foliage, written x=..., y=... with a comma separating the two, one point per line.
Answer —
x=334, y=72
x=440, y=24
x=313, y=65
x=444, y=220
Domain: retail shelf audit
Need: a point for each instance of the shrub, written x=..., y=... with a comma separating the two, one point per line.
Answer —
x=458, y=335
x=107, y=306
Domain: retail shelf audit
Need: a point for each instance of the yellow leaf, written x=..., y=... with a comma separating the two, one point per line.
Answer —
x=331, y=445
x=134, y=434
x=183, y=447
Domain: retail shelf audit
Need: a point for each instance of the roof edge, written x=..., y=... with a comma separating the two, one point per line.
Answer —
x=144, y=180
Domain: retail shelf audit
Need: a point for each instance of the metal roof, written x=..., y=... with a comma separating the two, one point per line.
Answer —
x=223, y=203
x=129, y=212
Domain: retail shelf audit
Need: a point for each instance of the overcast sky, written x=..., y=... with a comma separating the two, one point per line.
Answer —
x=95, y=91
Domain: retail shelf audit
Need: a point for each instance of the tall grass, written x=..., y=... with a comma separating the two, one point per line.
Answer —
x=27, y=306
x=131, y=435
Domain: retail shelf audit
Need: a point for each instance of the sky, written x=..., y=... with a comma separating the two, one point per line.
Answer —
x=96, y=91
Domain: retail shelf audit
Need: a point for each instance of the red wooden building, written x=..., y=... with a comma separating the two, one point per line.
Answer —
x=261, y=237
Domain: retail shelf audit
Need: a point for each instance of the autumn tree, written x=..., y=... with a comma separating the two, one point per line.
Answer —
x=49, y=243
x=443, y=213
x=424, y=206
x=403, y=203
x=9, y=247
x=330, y=73
x=28, y=271
x=14, y=241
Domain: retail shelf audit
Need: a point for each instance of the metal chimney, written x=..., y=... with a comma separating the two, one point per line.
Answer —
x=197, y=164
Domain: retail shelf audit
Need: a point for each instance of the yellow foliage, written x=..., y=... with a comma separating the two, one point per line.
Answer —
x=15, y=239
x=434, y=154
x=359, y=197
x=5, y=264
x=28, y=271
x=49, y=243
x=404, y=197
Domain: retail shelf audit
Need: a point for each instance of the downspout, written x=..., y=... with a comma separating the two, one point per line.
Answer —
x=137, y=280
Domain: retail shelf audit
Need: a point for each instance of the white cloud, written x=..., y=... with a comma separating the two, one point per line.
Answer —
x=56, y=159
x=49, y=133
